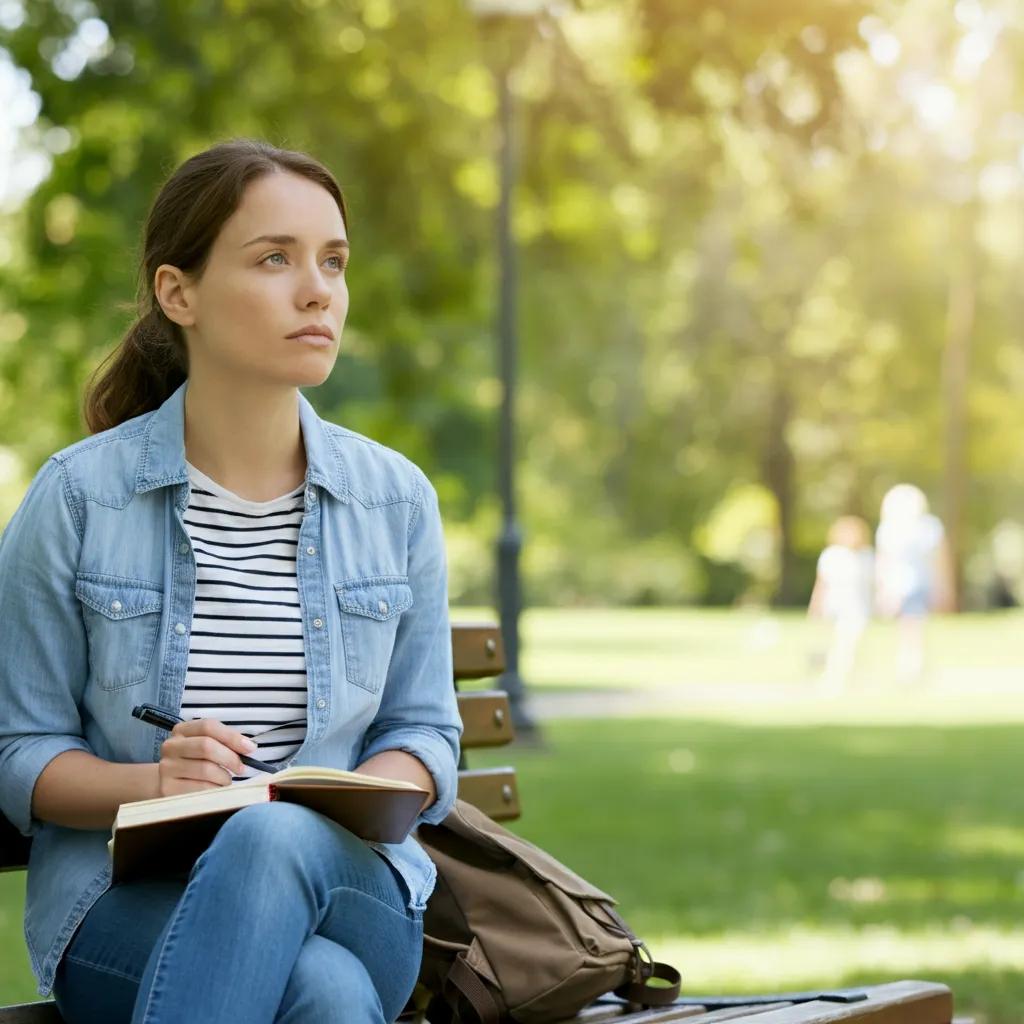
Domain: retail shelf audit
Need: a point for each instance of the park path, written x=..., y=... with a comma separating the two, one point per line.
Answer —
x=957, y=687
x=613, y=703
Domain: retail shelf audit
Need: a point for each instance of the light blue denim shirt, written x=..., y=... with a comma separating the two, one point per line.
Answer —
x=97, y=585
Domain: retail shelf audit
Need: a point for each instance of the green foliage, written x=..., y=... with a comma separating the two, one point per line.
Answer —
x=728, y=280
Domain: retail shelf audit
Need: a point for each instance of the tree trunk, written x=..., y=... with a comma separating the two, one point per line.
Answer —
x=960, y=320
x=778, y=476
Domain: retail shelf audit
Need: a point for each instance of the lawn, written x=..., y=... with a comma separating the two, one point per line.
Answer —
x=776, y=841
x=645, y=648
x=760, y=857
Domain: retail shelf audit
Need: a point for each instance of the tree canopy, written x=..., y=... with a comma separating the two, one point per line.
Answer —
x=767, y=253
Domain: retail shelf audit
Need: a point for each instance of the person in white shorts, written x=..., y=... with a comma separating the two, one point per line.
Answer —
x=843, y=595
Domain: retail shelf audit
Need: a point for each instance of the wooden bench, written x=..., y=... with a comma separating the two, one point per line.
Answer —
x=486, y=720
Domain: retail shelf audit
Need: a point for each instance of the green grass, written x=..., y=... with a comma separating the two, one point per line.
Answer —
x=759, y=858
x=765, y=840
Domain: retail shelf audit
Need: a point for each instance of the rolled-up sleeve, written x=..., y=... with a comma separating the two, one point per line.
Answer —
x=43, y=653
x=418, y=712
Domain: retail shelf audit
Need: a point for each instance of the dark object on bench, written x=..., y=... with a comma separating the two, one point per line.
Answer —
x=487, y=722
x=14, y=847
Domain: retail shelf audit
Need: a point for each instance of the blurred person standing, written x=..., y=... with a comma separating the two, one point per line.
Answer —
x=843, y=595
x=914, y=572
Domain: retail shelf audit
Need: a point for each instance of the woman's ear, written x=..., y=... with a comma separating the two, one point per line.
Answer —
x=171, y=287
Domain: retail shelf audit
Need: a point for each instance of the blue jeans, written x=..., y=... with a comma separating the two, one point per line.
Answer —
x=285, y=918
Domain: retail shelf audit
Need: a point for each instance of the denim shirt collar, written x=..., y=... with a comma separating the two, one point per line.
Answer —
x=162, y=461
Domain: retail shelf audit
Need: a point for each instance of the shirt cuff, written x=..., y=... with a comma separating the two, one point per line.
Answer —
x=21, y=769
x=437, y=757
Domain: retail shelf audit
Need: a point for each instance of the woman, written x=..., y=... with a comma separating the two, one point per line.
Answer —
x=216, y=547
x=914, y=572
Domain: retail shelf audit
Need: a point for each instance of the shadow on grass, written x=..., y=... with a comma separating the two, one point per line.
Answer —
x=700, y=828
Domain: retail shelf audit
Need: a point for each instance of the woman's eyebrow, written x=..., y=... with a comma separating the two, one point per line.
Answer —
x=333, y=243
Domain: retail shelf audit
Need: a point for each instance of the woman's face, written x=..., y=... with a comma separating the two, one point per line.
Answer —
x=275, y=276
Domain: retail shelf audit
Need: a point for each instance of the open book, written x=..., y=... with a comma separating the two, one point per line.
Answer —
x=153, y=837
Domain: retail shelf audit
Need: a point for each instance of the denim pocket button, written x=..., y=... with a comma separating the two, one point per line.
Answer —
x=370, y=611
x=122, y=621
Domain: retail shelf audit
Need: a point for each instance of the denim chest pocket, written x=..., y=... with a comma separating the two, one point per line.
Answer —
x=370, y=611
x=122, y=622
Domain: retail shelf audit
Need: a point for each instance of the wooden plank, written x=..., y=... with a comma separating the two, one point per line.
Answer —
x=733, y=1013
x=486, y=719
x=477, y=651
x=901, y=1002
x=621, y=1013
x=31, y=1013
x=607, y=1009
x=493, y=790
x=13, y=847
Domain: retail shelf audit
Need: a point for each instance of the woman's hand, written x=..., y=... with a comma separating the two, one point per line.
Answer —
x=201, y=754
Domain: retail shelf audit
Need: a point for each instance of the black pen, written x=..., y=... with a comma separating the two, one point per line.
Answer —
x=164, y=719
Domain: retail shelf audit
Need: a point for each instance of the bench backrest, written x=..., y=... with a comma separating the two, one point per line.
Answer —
x=477, y=653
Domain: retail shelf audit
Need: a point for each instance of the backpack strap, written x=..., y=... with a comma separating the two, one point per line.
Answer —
x=463, y=981
x=649, y=995
x=638, y=990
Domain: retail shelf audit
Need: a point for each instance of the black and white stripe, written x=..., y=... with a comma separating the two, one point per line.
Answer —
x=247, y=661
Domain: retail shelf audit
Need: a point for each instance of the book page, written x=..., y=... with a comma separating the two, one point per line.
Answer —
x=184, y=805
x=299, y=774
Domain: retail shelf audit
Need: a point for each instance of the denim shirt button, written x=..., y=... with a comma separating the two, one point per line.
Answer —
x=382, y=607
x=183, y=548
x=311, y=550
x=115, y=606
x=319, y=623
x=321, y=703
x=179, y=628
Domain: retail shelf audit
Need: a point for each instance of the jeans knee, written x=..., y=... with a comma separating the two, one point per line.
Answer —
x=275, y=834
x=328, y=982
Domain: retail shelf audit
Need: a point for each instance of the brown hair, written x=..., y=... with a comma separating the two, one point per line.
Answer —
x=850, y=532
x=152, y=362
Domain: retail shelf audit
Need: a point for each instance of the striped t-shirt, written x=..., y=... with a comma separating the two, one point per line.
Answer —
x=246, y=659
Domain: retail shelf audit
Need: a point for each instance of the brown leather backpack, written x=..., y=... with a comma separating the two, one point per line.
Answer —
x=510, y=934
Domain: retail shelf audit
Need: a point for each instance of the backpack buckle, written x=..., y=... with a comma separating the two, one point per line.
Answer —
x=644, y=960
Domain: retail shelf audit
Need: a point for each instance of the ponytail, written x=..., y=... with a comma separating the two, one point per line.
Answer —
x=147, y=367
x=151, y=363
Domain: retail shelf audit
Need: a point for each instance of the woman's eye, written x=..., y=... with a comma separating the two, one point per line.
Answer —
x=336, y=262
x=276, y=259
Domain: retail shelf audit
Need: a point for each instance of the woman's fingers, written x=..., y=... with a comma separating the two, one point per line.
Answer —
x=203, y=751
x=213, y=729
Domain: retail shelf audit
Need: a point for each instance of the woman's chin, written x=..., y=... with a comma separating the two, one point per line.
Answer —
x=312, y=369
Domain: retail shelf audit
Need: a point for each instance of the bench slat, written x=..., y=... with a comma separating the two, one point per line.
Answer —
x=486, y=719
x=492, y=790
x=736, y=1013
x=622, y=1013
x=477, y=650
x=901, y=1002
x=31, y=1013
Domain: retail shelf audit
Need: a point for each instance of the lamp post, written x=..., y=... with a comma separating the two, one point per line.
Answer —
x=498, y=16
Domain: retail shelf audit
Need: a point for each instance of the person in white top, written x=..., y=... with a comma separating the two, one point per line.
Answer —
x=843, y=595
x=914, y=572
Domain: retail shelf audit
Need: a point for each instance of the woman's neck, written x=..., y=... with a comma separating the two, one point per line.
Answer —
x=246, y=439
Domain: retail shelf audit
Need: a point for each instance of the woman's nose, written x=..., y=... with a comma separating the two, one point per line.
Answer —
x=315, y=290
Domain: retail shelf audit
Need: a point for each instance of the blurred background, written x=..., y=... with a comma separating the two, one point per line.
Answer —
x=769, y=264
